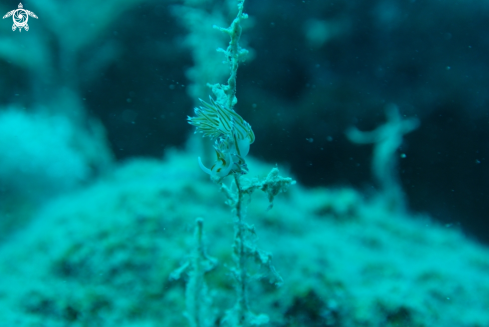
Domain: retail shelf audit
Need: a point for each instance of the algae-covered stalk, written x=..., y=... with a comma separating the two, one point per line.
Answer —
x=233, y=137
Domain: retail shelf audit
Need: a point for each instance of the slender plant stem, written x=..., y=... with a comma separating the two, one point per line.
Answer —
x=241, y=257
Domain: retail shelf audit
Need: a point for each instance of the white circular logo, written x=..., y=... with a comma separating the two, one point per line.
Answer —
x=20, y=18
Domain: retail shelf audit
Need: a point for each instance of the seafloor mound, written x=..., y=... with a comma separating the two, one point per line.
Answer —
x=102, y=257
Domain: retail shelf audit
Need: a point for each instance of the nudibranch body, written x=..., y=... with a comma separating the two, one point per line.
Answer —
x=233, y=137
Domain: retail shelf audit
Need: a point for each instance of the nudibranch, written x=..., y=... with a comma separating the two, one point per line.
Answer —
x=232, y=133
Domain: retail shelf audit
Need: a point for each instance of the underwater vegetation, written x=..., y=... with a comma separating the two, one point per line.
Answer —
x=132, y=153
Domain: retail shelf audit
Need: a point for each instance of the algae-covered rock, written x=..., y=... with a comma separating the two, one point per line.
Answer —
x=103, y=257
